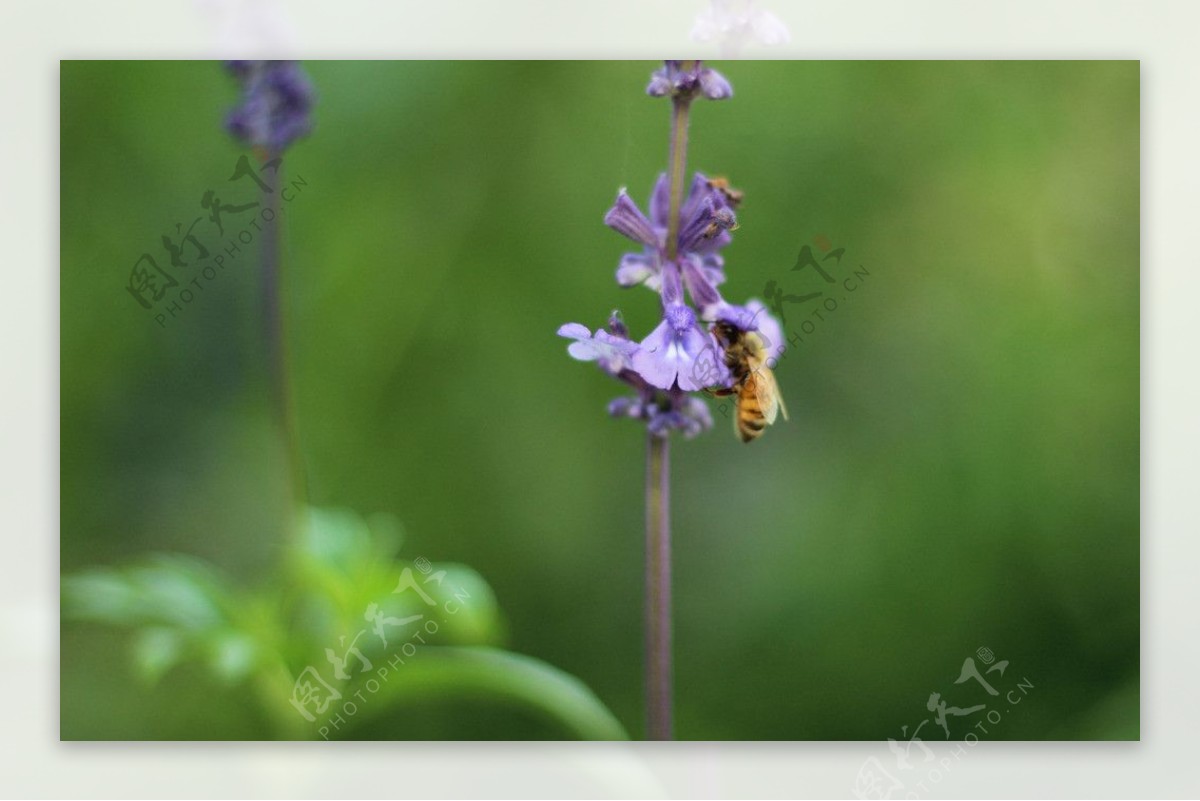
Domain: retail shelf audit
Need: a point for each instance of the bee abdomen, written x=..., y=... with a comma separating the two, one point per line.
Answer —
x=750, y=420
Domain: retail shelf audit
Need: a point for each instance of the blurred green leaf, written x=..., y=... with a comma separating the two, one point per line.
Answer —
x=232, y=654
x=337, y=540
x=156, y=650
x=339, y=583
x=495, y=676
x=171, y=590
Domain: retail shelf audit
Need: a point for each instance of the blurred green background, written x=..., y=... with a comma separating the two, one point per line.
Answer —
x=960, y=470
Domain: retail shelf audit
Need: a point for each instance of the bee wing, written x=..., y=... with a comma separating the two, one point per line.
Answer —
x=767, y=392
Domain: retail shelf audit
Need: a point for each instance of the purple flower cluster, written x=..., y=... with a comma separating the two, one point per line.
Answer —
x=276, y=105
x=680, y=355
x=688, y=78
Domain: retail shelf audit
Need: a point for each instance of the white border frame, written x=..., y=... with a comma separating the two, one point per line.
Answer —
x=1163, y=35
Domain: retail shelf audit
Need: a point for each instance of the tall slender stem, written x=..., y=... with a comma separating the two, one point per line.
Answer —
x=658, y=589
x=678, y=162
x=659, y=695
x=277, y=353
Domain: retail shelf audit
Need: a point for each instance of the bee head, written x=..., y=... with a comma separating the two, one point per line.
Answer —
x=726, y=333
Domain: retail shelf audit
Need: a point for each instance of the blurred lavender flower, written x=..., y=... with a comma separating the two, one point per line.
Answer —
x=275, y=110
x=276, y=106
x=680, y=355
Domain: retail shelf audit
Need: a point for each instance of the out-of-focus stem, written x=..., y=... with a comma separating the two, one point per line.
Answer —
x=277, y=350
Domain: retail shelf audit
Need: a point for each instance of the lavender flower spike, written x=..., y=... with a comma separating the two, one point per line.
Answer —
x=681, y=239
x=680, y=355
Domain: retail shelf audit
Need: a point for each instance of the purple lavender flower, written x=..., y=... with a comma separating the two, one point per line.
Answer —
x=680, y=355
x=662, y=369
x=679, y=260
x=276, y=105
x=706, y=218
x=667, y=358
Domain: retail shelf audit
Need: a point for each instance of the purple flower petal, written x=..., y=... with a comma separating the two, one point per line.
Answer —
x=698, y=192
x=574, y=331
x=661, y=423
x=769, y=329
x=704, y=293
x=693, y=222
x=637, y=268
x=697, y=416
x=707, y=228
x=713, y=267
x=714, y=86
x=660, y=201
x=671, y=287
x=705, y=218
x=625, y=407
x=627, y=219
x=678, y=352
x=660, y=84
x=612, y=353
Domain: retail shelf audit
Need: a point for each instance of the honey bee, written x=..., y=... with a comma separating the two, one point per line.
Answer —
x=758, y=398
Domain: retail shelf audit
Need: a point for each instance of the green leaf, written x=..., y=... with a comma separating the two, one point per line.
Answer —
x=336, y=539
x=168, y=590
x=180, y=590
x=480, y=673
x=232, y=655
x=103, y=595
x=476, y=617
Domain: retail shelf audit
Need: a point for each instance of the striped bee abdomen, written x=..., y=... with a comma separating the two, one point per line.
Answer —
x=750, y=420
